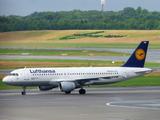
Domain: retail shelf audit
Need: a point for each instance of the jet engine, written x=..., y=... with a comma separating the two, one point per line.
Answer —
x=45, y=88
x=67, y=87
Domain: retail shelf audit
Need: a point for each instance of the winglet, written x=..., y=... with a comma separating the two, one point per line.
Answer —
x=137, y=59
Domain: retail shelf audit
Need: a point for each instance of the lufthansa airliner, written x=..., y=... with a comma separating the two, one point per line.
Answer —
x=68, y=79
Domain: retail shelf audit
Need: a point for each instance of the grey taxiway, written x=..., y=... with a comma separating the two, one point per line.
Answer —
x=153, y=55
x=111, y=103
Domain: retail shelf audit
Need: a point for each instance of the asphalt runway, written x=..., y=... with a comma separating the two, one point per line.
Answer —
x=110, y=103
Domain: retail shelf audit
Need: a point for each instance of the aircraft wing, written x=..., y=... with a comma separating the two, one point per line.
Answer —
x=83, y=80
x=93, y=79
x=78, y=80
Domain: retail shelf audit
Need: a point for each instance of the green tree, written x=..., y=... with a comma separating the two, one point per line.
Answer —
x=129, y=11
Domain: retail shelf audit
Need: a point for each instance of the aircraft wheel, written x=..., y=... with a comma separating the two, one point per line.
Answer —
x=23, y=93
x=68, y=92
x=82, y=91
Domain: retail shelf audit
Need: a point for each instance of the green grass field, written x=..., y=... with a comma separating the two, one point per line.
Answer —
x=140, y=81
x=59, y=52
x=34, y=63
x=77, y=45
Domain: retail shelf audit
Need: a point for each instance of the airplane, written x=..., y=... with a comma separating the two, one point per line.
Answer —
x=71, y=78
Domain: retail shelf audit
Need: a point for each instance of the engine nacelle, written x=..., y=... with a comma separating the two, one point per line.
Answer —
x=45, y=88
x=67, y=86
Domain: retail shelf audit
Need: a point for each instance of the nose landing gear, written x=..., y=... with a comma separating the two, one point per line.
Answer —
x=23, y=92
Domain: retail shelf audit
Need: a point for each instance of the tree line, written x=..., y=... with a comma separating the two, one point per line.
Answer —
x=127, y=19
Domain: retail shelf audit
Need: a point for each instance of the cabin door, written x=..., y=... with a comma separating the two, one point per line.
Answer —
x=125, y=72
x=26, y=75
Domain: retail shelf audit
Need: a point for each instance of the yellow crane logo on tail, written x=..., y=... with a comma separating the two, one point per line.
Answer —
x=140, y=54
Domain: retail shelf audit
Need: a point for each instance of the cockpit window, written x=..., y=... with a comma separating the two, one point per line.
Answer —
x=13, y=74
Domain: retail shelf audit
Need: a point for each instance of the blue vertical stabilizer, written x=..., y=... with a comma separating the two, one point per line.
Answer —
x=137, y=59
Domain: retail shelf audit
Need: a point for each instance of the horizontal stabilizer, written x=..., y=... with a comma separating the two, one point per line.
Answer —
x=144, y=70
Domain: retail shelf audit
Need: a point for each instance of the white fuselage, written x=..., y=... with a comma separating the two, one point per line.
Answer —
x=85, y=75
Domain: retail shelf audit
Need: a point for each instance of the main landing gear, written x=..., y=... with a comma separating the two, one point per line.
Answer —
x=82, y=91
x=23, y=92
x=68, y=92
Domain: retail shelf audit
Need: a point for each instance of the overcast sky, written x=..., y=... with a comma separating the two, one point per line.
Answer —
x=26, y=7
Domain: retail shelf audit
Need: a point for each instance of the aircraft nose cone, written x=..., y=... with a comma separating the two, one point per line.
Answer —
x=6, y=80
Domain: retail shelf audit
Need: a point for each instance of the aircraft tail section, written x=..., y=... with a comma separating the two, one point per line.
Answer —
x=137, y=59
